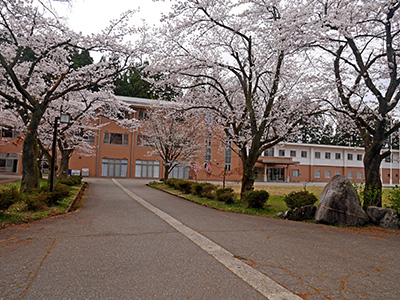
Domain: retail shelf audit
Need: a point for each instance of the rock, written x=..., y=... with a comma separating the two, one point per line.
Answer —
x=390, y=220
x=339, y=204
x=376, y=214
x=299, y=214
x=385, y=217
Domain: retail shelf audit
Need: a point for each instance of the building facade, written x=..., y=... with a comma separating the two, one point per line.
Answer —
x=118, y=152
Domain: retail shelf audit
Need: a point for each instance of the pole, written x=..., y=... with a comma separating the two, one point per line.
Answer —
x=53, y=154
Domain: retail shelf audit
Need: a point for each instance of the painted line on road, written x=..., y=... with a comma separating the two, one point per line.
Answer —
x=260, y=282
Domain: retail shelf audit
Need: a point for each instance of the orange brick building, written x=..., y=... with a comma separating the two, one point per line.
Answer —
x=119, y=152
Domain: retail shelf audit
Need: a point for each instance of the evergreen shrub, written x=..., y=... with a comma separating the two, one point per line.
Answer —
x=184, y=186
x=171, y=182
x=394, y=199
x=71, y=180
x=226, y=195
x=208, y=190
x=255, y=199
x=197, y=188
x=8, y=196
x=298, y=199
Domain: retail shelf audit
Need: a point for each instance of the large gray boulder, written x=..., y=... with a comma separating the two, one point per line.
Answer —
x=339, y=204
x=385, y=217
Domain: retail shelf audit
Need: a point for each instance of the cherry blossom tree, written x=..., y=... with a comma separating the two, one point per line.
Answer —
x=363, y=41
x=78, y=135
x=174, y=135
x=37, y=70
x=241, y=61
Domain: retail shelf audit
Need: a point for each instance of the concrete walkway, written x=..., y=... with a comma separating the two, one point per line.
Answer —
x=132, y=242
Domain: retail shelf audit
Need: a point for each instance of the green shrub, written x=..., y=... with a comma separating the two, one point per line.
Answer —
x=208, y=190
x=255, y=199
x=18, y=207
x=60, y=192
x=394, y=199
x=171, y=182
x=226, y=195
x=298, y=199
x=71, y=180
x=184, y=186
x=37, y=201
x=197, y=188
x=8, y=196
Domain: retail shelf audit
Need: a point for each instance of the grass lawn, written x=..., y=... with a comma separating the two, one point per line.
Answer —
x=274, y=205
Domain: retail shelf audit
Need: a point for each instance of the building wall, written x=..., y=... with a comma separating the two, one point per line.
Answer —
x=132, y=159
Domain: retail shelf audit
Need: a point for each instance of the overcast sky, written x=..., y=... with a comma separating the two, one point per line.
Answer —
x=90, y=16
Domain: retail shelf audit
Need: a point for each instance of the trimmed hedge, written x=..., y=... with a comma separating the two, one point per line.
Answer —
x=299, y=199
x=255, y=199
x=208, y=190
x=203, y=189
x=8, y=196
x=226, y=195
x=71, y=180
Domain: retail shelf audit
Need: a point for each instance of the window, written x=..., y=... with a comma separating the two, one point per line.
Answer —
x=281, y=152
x=338, y=156
x=228, y=156
x=350, y=175
x=359, y=175
x=349, y=156
x=337, y=172
x=8, y=132
x=295, y=173
x=327, y=156
x=142, y=115
x=114, y=167
x=8, y=162
x=317, y=154
x=116, y=138
x=304, y=154
x=359, y=157
x=269, y=152
x=317, y=174
x=147, y=169
x=207, y=154
x=327, y=174
x=142, y=141
x=180, y=172
x=292, y=153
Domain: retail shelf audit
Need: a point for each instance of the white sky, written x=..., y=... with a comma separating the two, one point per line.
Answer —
x=91, y=16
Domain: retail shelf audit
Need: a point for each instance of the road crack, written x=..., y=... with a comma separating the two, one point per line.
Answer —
x=37, y=271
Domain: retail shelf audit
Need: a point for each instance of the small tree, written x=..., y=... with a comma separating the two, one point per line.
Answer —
x=174, y=135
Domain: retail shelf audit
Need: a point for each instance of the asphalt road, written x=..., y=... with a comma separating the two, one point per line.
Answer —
x=116, y=248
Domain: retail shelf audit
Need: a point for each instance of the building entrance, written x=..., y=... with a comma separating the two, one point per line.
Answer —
x=275, y=174
x=8, y=163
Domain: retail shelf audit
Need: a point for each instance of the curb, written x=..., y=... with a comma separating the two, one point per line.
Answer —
x=78, y=199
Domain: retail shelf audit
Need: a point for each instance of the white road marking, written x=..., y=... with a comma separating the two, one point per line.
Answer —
x=260, y=282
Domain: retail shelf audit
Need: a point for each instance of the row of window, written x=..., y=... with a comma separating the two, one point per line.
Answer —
x=317, y=154
x=317, y=174
x=143, y=169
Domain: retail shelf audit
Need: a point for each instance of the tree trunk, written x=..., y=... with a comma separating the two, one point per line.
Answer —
x=30, y=168
x=248, y=163
x=373, y=183
x=167, y=170
x=64, y=164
